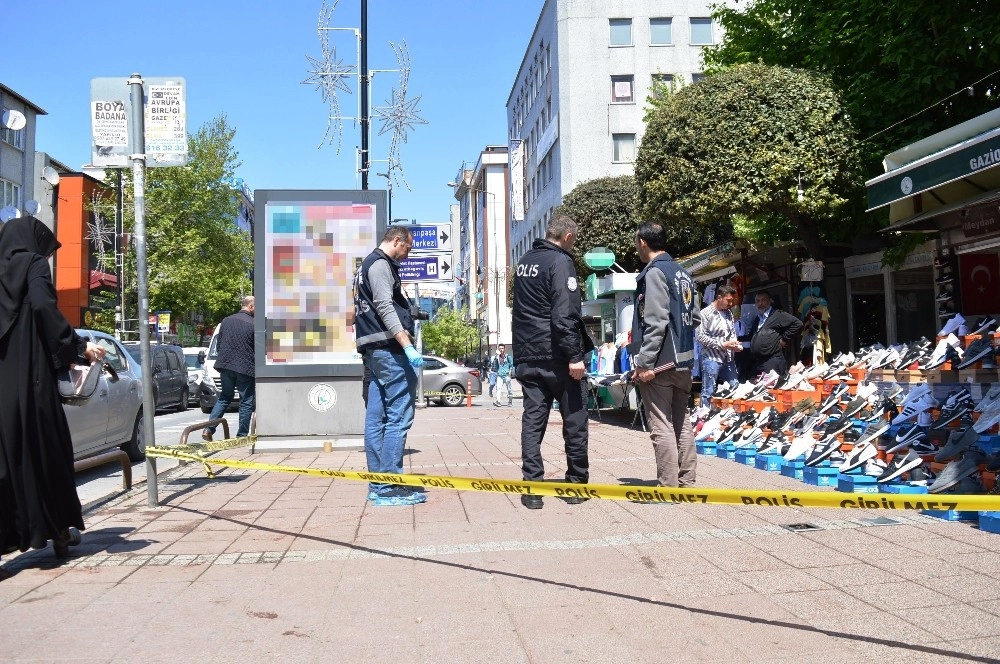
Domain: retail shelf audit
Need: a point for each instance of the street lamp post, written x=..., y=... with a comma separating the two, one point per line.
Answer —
x=492, y=220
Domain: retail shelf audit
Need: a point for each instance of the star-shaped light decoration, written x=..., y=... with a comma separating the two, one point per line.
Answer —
x=101, y=236
x=328, y=74
x=400, y=114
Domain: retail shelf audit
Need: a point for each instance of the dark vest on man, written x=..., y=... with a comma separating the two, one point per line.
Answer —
x=369, y=330
x=677, y=350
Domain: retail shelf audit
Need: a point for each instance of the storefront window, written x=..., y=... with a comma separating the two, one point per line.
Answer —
x=916, y=308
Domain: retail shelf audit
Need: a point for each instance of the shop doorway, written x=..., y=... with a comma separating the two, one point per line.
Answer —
x=869, y=318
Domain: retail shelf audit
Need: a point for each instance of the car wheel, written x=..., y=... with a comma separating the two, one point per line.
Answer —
x=136, y=448
x=453, y=394
x=185, y=401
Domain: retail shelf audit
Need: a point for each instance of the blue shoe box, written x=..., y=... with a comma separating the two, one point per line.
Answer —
x=902, y=488
x=856, y=483
x=989, y=444
x=793, y=469
x=769, y=462
x=747, y=456
x=989, y=522
x=952, y=515
x=707, y=447
x=727, y=451
x=820, y=475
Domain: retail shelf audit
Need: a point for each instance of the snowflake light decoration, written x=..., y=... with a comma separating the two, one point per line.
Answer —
x=328, y=74
x=101, y=236
x=400, y=114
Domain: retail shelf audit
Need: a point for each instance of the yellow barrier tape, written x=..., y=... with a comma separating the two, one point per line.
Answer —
x=876, y=501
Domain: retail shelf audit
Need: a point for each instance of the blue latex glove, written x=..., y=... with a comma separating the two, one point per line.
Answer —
x=415, y=358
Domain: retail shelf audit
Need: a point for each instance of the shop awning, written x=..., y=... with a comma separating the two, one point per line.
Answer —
x=99, y=279
x=698, y=261
x=936, y=219
x=969, y=151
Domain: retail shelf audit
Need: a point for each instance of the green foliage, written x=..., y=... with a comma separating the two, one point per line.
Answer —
x=449, y=334
x=605, y=210
x=902, y=246
x=889, y=58
x=738, y=144
x=198, y=260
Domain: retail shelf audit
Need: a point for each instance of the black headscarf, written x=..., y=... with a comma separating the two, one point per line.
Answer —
x=22, y=240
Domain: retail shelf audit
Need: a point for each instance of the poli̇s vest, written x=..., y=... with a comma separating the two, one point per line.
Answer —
x=678, y=342
x=369, y=330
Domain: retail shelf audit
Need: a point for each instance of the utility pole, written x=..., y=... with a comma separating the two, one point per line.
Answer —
x=365, y=112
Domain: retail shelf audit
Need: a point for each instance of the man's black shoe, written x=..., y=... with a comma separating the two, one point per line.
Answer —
x=570, y=500
x=532, y=502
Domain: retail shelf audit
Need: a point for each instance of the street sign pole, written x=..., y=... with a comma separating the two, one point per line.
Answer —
x=419, y=343
x=138, y=158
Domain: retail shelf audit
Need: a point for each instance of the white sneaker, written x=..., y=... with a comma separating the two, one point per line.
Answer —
x=859, y=455
x=952, y=325
x=800, y=445
x=816, y=370
x=916, y=393
x=742, y=390
x=912, y=410
x=989, y=417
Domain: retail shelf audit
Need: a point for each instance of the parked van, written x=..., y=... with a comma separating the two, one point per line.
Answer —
x=211, y=384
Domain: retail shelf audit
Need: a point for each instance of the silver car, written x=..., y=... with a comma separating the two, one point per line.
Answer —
x=113, y=416
x=447, y=381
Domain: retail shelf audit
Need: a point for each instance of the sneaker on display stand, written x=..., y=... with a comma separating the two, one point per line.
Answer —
x=956, y=470
x=984, y=325
x=951, y=327
x=824, y=449
x=858, y=456
x=976, y=351
x=900, y=464
x=907, y=435
x=988, y=398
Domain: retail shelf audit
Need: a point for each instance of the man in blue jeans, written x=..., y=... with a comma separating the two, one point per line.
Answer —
x=717, y=337
x=384, y=330
x=501, y=366
x=235, y=363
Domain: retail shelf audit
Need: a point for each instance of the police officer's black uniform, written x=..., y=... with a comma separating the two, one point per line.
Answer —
x=549, y=334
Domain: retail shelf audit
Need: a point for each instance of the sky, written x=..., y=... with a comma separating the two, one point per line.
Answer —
x=247, y=60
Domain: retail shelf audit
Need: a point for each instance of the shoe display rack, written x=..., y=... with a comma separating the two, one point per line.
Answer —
x=897, y=420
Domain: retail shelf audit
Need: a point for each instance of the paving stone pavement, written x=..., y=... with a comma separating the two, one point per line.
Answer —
x=255, y=565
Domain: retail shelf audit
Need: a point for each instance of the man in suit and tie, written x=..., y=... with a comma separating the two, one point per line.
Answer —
x=770, y=335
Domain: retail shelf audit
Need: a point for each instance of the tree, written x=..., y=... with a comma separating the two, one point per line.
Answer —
x=890, y=59
x=605, y=211
x=449, y=334
x=740, y=144
x=199, y=261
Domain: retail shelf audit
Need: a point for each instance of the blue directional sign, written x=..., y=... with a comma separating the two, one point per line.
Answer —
x=430, y=267
x=431, y=237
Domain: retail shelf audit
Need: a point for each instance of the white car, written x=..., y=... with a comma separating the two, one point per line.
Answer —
x=194, y=359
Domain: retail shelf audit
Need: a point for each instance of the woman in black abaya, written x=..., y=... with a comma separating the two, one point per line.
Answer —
x=38, y=499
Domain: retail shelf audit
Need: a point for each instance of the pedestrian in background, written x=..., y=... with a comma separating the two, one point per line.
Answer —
x=770, y=334
x=235, y=363
x=552, y=341
x=384, y=333
x=38, y=498
x=501, y=365
x=491, y=375
x=717, y=337
x=663, y=330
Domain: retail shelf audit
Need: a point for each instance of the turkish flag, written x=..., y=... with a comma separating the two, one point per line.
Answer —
x=979, y=280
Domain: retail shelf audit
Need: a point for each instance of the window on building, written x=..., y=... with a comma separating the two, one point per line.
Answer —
x=15, y=138
x=623, y=147
x=697, y=77
x=660, y=31
x=659, y=84
x=621, y=32
x=701, y=31
x=10, y=194
x=622, y=89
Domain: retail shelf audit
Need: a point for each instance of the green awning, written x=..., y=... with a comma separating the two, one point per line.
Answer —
x=961, y=160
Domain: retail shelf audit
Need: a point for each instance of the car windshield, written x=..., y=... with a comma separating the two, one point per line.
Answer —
x=135, y=350
x=213, y=348
x=192, y=362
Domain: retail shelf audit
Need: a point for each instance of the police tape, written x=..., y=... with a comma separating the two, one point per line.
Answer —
x=632, y=493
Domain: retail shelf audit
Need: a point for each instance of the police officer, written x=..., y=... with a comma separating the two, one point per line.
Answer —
x=663, y=325
x=551, y=342
x=384, y=332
